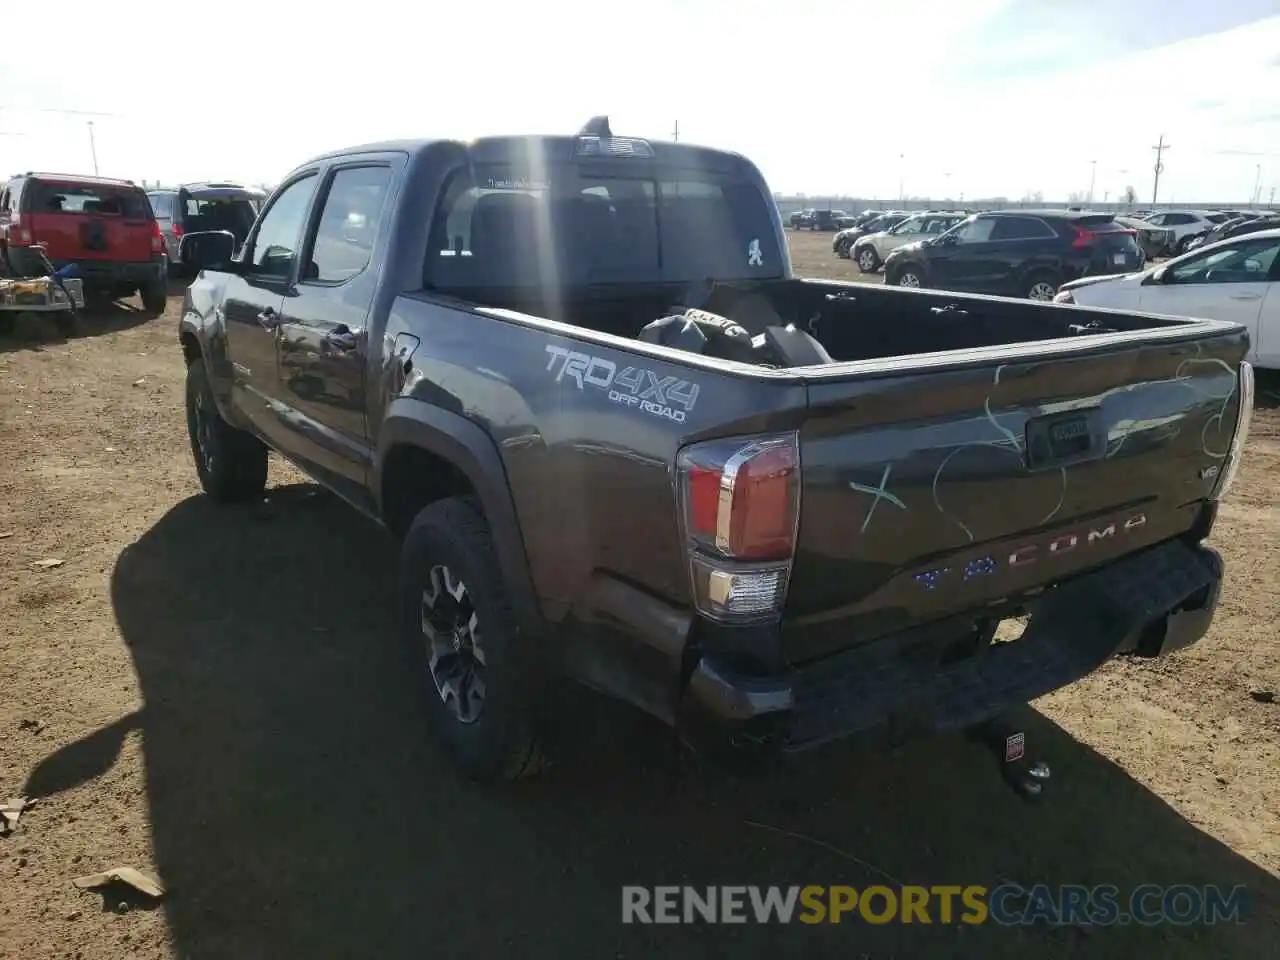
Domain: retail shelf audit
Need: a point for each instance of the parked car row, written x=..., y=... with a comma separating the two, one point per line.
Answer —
x=826, y=220
x=1017, y=253
x=1237, y=227
x=880, y=220
x=869, y=251
x=117, y=238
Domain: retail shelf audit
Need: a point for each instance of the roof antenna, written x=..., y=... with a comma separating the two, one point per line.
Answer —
x=597, y=127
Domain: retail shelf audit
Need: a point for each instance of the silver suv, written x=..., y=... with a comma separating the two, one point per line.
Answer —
x=869, y=252
x=203, y=206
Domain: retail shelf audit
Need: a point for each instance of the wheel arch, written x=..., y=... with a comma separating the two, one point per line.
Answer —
x=426, y=453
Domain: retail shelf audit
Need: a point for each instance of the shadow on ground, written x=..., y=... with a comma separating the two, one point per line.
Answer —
x=298, y=811
x=35, y=331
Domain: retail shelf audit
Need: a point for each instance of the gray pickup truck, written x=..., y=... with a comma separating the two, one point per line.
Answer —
x=619, y=441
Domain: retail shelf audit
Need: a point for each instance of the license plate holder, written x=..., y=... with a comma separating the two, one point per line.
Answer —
x=1119, y=258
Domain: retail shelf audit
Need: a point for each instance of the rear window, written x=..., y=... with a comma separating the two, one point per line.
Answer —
x=495, y=228
x=162, y=204
x=81, y=198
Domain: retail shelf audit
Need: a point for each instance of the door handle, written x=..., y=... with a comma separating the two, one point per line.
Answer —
x=268, y=319
x=341, y=339
x=1245, y=296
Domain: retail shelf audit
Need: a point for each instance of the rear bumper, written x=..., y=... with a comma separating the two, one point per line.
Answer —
x=112, y=273
x=1148, y=604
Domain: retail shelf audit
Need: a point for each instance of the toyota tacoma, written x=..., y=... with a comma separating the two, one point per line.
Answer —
x=619, y=441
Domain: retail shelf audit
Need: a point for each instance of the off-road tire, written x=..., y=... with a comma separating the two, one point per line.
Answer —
x=236, y=470
x=498, y=745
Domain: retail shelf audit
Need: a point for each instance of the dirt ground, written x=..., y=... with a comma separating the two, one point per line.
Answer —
x=213, y=696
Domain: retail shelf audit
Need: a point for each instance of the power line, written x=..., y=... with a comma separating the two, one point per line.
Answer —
x=72, y=113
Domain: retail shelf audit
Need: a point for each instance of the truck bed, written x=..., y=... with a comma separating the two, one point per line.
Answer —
x=853, y=322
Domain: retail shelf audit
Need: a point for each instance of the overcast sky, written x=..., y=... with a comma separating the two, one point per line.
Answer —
x=980, y=97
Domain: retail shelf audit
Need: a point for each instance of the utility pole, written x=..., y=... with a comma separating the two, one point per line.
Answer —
x=1093, y=179
x=1159, y=148
x=1271, y=201
x=1257, y=187
x=93, y=149
x=675, y=133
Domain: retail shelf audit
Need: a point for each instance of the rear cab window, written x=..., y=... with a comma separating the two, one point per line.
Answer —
x=107, y=200
x=582, y=225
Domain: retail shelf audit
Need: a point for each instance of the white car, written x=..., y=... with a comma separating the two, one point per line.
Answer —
x=1236, y=279
x=1187, y=224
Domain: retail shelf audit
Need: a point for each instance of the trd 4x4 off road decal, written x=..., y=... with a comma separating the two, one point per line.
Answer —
x=659, y=396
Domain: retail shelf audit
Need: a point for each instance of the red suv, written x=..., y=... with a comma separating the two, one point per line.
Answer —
x=105, y=227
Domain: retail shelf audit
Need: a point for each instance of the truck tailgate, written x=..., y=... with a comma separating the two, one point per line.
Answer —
x=930, y=492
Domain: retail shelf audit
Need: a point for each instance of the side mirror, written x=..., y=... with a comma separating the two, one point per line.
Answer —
x=1160, y=275
x=208, y=250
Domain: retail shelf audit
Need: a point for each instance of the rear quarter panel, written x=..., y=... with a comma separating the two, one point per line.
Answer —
x=590, y=466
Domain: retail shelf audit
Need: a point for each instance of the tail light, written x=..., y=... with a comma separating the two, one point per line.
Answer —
x=19, y=235
x=740, y=507
x=1231, y=465
x=176, y=230
x=157, y=238
x=1085, y=237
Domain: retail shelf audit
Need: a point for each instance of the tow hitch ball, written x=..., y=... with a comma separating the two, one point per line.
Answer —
x=1008, y=743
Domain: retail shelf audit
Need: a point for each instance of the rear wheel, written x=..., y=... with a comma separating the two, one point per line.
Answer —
x=1041, y=286
x=65, y=323
x=868, y=260
x=155, y=296
x=232, y=464
x=460, y=633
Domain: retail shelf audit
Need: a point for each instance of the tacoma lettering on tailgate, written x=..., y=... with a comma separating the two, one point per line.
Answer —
x=1027, y=554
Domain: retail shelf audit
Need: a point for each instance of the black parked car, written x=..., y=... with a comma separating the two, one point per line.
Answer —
x=1017, y=253
x=819, y=220
x=1238, y=227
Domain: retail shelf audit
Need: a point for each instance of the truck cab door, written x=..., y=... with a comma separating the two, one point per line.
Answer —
x=324, y=342
x=251, y=305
